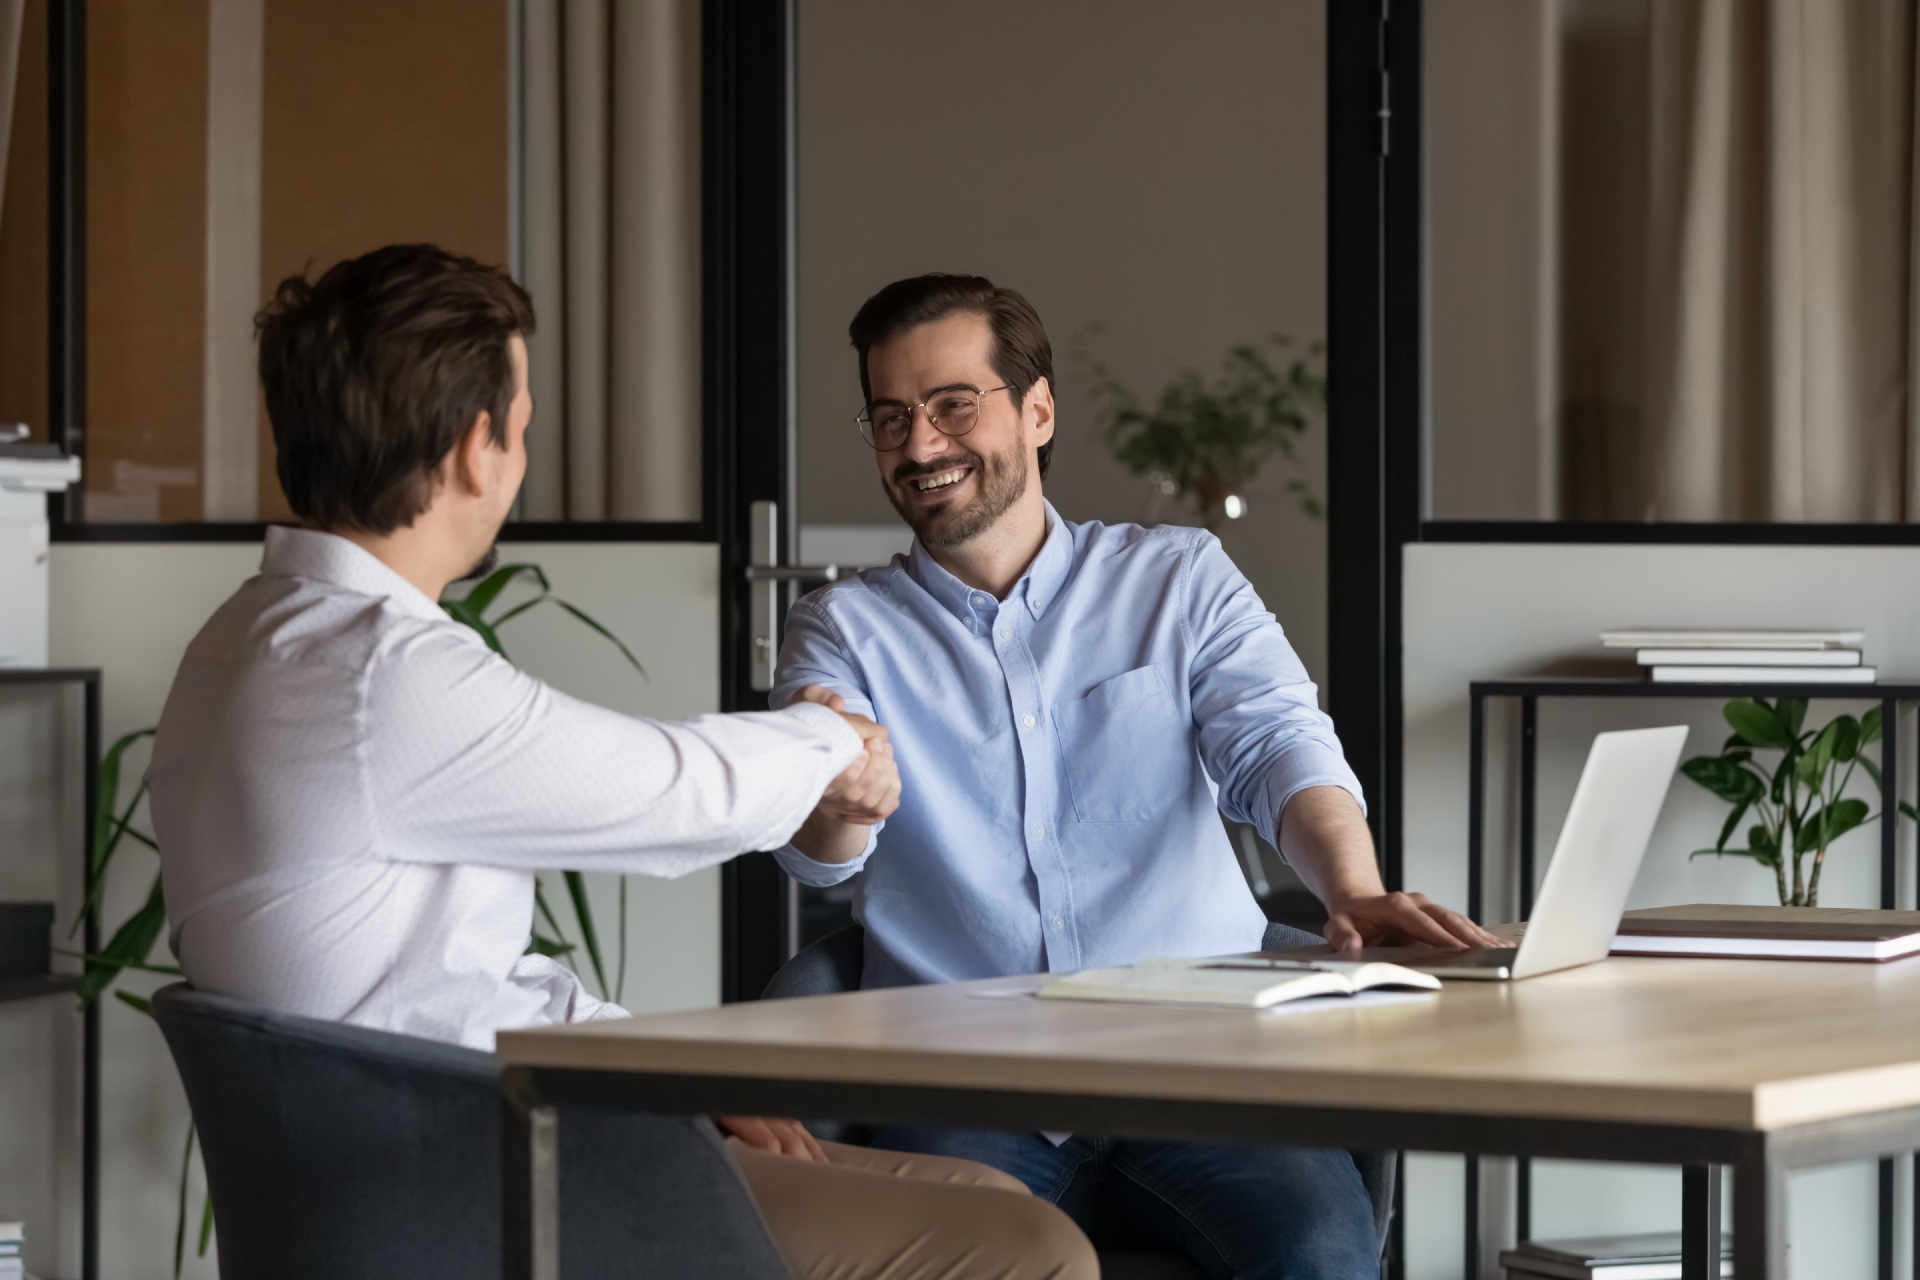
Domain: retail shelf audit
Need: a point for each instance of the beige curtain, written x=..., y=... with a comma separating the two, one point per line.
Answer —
x=1781, y=344
x=612, y=258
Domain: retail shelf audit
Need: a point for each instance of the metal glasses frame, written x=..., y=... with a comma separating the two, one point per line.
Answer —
x=864, y=419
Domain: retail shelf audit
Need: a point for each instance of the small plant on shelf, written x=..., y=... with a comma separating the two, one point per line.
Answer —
x=1800, y=802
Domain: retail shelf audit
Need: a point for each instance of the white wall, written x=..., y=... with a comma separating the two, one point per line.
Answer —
x=1484, y=612
x=130, y=609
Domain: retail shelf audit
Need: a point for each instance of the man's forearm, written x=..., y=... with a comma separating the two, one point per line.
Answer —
x=1325, y=839
x=828, y=840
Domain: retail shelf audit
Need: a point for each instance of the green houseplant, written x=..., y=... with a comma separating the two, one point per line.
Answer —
x=131, y=946
x=1800, y=800
x=1204, y=440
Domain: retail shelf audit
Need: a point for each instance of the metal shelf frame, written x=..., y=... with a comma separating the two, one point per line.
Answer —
x=1700, y=1185
x=88, y=678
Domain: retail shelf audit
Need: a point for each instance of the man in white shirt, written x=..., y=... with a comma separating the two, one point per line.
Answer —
x=352, y=793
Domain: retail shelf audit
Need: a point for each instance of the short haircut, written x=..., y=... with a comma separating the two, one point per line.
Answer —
x=1021, y=353
x=373, y=372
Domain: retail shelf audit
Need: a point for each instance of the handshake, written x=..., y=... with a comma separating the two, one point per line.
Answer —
x=868, y=791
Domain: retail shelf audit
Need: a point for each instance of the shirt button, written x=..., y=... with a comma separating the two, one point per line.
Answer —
x=1027, y=721
x=1040, y=832
x=980, y=600
x=1006, y=633
x=1058, y=923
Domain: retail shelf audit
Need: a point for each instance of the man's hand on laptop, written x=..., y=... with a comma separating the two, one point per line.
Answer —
x=781, y=1137
x=1401, y=919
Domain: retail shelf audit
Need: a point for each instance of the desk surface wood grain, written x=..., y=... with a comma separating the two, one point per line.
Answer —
x=1729, y=1044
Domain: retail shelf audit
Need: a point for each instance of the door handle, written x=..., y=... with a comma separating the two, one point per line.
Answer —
x=766, y=577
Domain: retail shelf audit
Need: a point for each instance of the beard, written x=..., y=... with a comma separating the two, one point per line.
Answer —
x=484, y=566
x=1000, y=480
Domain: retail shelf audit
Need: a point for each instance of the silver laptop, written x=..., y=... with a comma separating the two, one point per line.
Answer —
x=1601, y=844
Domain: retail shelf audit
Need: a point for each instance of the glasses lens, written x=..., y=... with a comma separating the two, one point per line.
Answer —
x=885, y=426
x=954, y=411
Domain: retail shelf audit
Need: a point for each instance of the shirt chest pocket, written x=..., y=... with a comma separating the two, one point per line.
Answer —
x=1128, y=748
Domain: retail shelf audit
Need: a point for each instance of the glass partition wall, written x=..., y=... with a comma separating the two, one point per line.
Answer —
x=215, y=147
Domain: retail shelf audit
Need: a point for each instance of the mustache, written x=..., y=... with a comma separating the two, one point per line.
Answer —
x=907, y=471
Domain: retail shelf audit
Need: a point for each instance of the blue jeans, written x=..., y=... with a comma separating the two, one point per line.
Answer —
x=1239, y=1212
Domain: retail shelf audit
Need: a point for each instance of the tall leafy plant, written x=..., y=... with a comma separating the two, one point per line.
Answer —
x=1799, y=800
x=132, y=944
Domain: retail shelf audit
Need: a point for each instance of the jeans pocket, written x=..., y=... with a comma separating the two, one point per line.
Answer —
x=1127, y=746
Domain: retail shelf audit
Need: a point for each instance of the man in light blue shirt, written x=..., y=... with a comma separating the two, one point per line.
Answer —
x=1070, y=708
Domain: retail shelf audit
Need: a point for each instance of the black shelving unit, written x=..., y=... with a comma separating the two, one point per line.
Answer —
x=62, y=984
x=1700, y=1186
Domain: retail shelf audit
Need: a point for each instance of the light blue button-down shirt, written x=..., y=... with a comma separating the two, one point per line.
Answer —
x=1063, y=752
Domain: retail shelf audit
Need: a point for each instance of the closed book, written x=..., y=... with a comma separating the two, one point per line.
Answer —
x=1769, y=933
x=1729, y=638
x=1763, y=675
x=1652, y=1256
x=1232, y=982
x=1748, y=657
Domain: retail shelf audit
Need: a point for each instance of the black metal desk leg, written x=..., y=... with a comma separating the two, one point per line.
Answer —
x=1476, y=802
x=1700, y=1222
x=529, y=1181
x=1760, y=1215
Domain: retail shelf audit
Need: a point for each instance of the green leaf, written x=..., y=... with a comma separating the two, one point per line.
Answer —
x=1820, y=829
x=1792, y=713
x=1910, y=811
x=1756, y=724
x=1725, y=778
x=139, y=1004
x=1732, y=824
x=131, y=944
x=107, y=826
x=538, y=945
x=1873, y=770
x=583, y=912
x=1812, y=766
x=180, y=1219
x=1846, y=739
x=488, y=589
x=206, y=1227
x=1870, y=726
x=612, y=638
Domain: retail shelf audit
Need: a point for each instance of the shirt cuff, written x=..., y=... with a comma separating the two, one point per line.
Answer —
x=823, y=875
x=832, y=726
x=1305, y=766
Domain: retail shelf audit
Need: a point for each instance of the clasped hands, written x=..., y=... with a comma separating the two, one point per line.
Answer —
x=868, y=790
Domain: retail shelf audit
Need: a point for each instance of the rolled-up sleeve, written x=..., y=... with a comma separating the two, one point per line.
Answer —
x=813, y=653
x=1263, y=737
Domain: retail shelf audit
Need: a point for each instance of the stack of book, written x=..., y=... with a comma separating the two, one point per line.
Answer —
x=1642, y=1257
x=13, y=1238
x=1696, y=655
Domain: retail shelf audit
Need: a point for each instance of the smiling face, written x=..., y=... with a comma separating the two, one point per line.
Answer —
x=952, y=489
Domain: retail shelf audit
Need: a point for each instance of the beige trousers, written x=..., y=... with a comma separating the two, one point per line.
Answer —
x=885, y=1215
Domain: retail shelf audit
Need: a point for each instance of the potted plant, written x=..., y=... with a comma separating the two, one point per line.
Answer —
x=1801, y=801
x=1204, y=441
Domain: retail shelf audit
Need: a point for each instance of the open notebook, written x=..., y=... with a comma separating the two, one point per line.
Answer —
x=1233, y=982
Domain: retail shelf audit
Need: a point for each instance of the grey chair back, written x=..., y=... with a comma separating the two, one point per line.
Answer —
x=335, y=1151
x=834, y=963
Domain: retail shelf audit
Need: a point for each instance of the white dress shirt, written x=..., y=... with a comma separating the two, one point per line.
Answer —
x=352, y=793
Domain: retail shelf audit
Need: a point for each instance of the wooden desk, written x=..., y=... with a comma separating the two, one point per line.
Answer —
x=1761, y=1066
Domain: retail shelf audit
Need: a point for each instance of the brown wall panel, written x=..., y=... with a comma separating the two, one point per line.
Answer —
x=23, y=239
x=146, y=241
x=384, y=123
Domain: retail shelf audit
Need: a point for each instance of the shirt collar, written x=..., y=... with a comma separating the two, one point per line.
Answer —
x=1037, y=587
x=329, y=558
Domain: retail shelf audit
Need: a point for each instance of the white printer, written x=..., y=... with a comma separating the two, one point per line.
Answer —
x=28, y=473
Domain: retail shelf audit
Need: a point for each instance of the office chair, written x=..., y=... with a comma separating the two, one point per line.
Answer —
x=335, y=1151
x=834, y=964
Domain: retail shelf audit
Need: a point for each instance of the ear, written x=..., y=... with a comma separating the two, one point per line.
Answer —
x=1040, y=405
x=467, y=464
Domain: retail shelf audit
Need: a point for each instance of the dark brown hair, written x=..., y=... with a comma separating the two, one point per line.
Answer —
x=374, y=371
x=1021, y=353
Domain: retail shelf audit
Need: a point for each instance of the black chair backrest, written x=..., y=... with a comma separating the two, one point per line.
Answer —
x=335, y=1151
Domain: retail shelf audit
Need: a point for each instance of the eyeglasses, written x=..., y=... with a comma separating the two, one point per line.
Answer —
x=953, y=412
